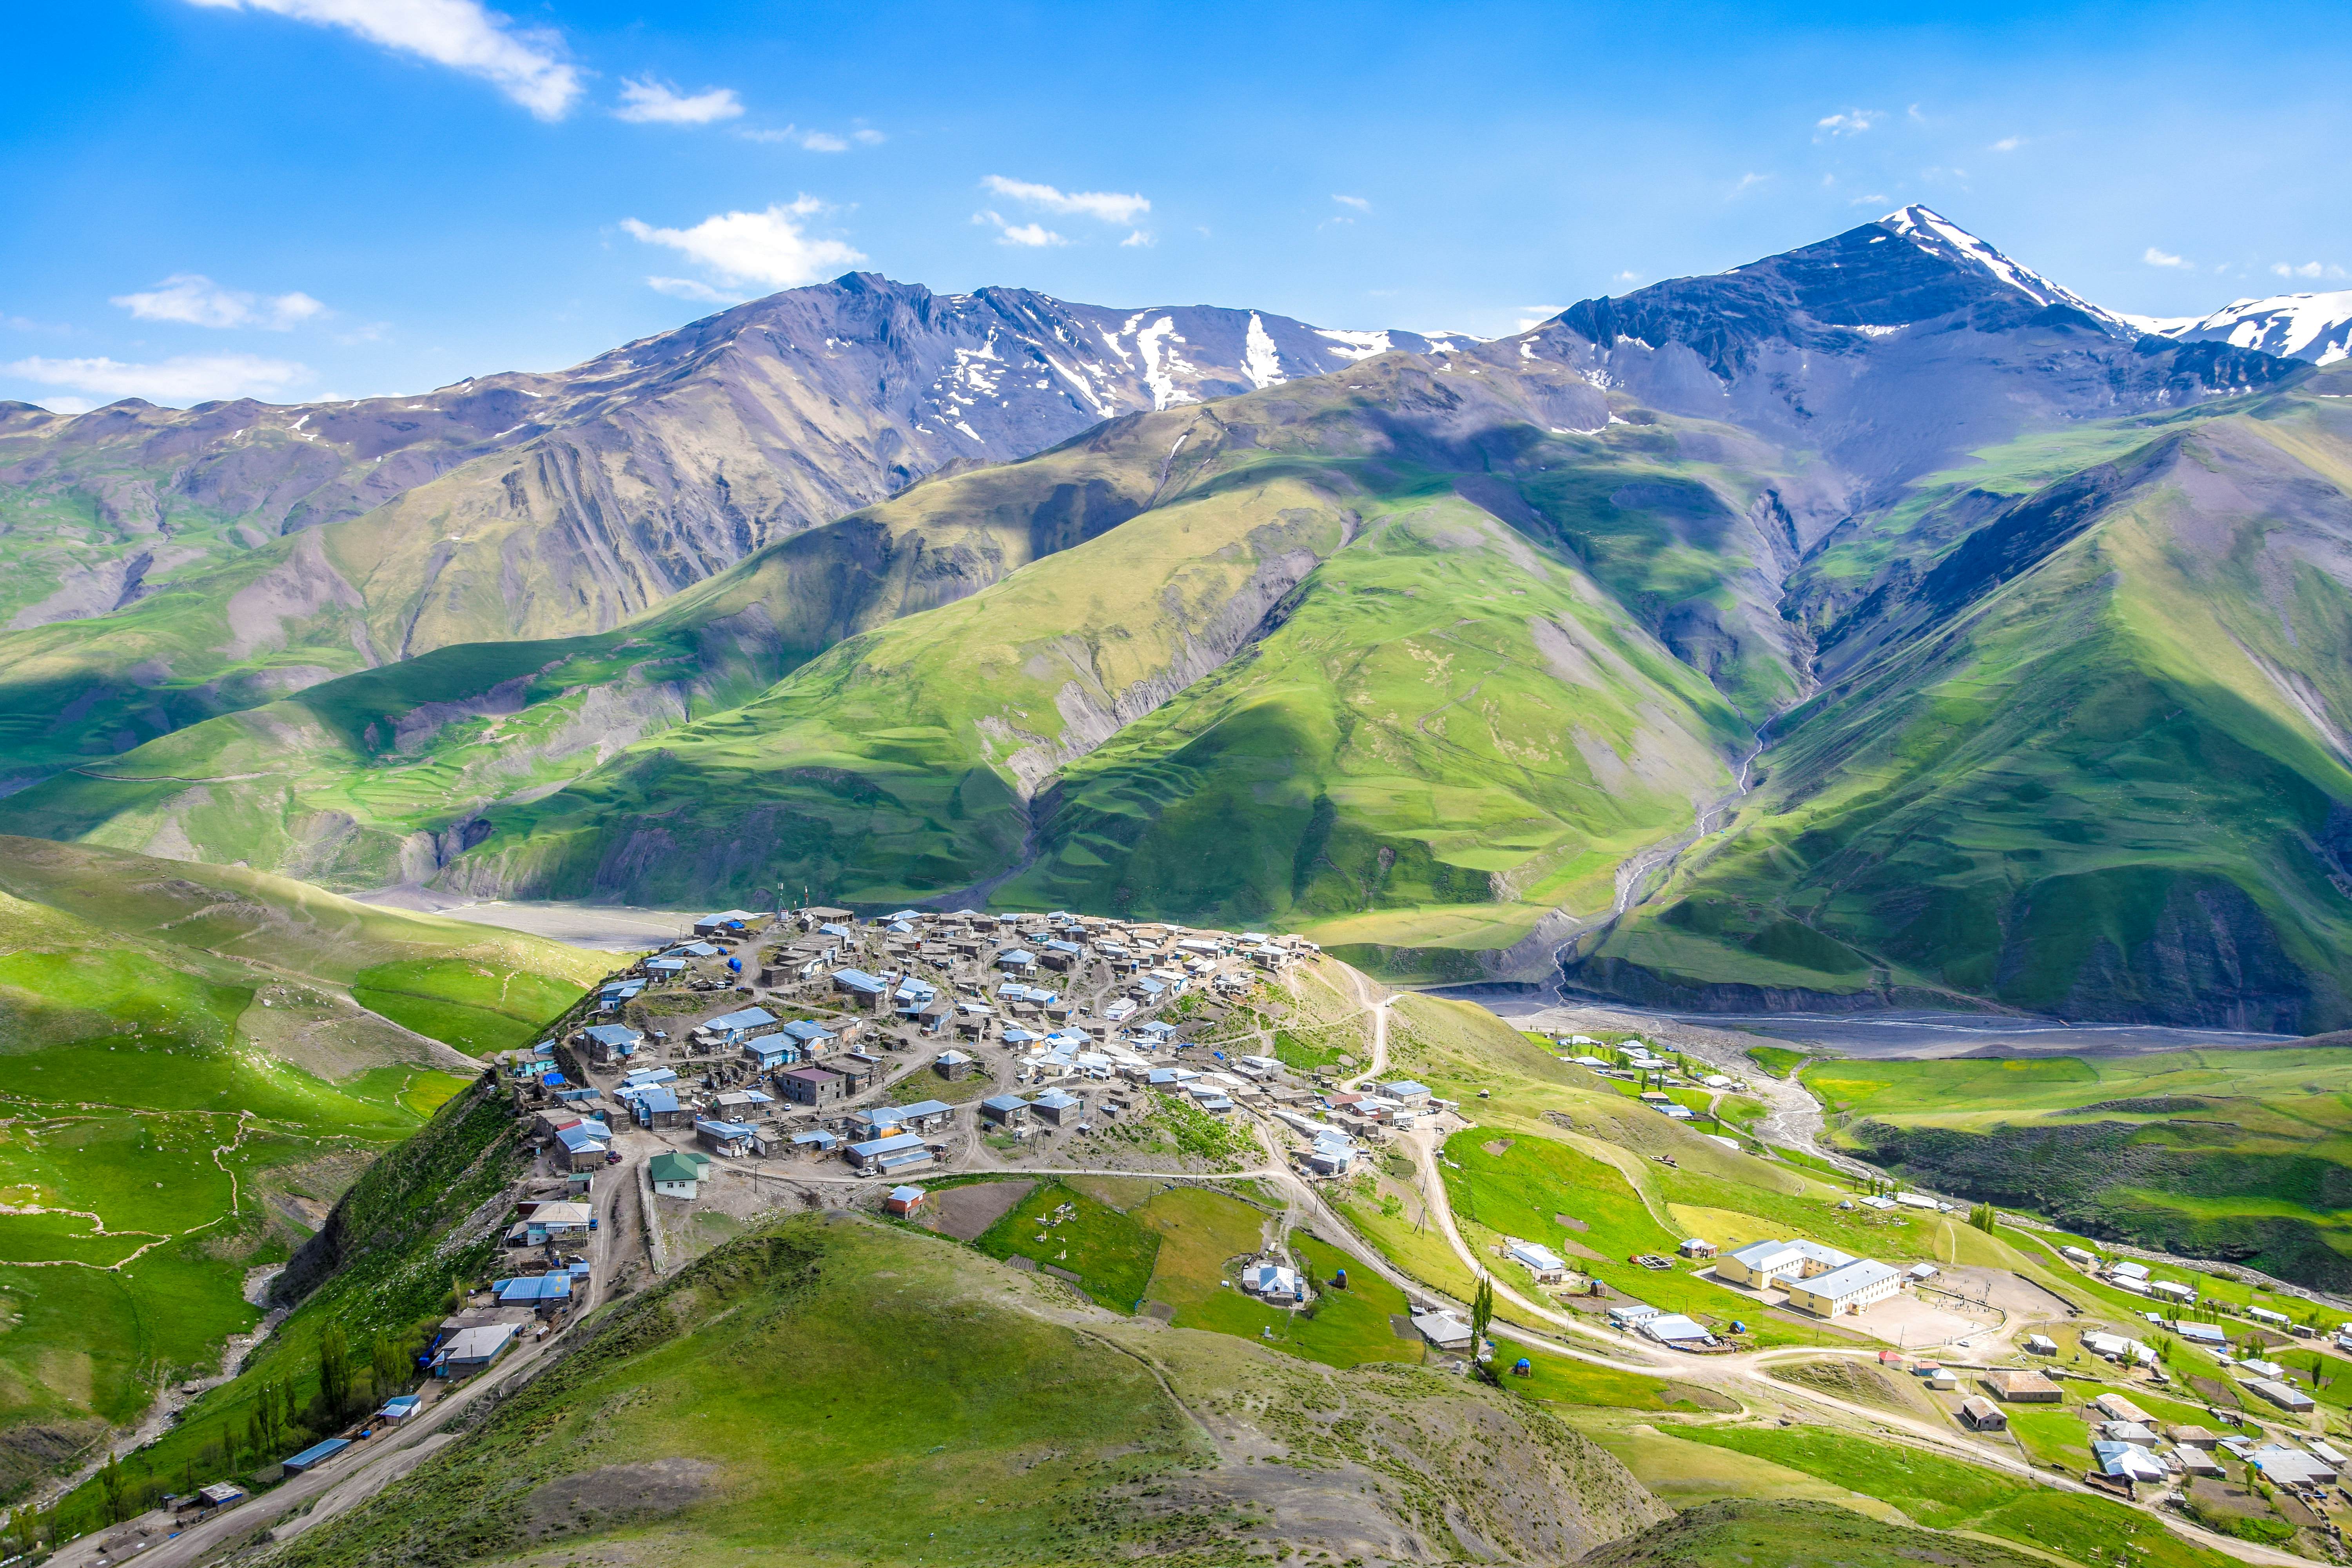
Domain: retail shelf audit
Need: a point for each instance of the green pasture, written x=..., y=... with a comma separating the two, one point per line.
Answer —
x=460, y=1001
x=1111, y=1252
x=2232, y=1154
x=1949, y=1494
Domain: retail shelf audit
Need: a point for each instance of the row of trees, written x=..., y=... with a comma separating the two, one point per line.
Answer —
x=278, y=1421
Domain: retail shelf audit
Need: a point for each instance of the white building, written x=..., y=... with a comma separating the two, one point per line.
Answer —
x=1761, y=1265
x=1538, y=1261
x=1846, y=1289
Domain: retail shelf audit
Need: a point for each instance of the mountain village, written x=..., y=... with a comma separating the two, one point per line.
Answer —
x=898, y=1064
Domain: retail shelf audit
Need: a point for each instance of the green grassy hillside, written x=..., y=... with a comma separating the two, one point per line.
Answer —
x=1794, y=1535
x=381, y=1265
x=840, y=1392
x=2245, y=1156
x=1420, y=705
x=190, y=1084
x=2090, y=762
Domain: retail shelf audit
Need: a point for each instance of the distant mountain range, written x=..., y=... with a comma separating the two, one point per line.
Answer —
x=2314, y=327
x=1997, y=644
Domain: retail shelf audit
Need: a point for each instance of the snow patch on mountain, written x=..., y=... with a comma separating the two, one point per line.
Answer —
x=1261, y=362
x=1353, y=346
x=1939, y=236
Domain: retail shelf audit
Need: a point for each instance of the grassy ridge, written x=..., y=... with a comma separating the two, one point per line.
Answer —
x=2085, y=769
x=838, y=1392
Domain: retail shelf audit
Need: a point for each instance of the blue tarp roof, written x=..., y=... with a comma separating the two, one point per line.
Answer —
x=537, y=1288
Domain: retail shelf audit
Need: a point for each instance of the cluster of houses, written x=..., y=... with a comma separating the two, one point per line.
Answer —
x=1069, y=997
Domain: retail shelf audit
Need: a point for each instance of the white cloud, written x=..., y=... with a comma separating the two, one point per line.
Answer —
x=195, y=301
x=1627, y=277
x=1853, y=123
x=2009, y=144
x=183, y=379
x=750, y=249
x=1748, y=181
x=818, y=141
x=1533, y=316
x=1359, y=203
x=2308, y=270
x=1869, y=200
x=2156, y=257
x=688, y=289
x=525, y=64
x=1138, y=239
x=651, y=103
x=1107, y=205
x=1029, y=234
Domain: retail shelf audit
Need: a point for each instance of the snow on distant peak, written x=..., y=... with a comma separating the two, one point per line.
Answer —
x=1933, y=232
x=1354, y=346
x=1261, y=362
x=2314, y=327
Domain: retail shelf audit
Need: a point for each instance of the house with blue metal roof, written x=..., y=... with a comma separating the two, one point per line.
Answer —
x=889, y=1154
x=1058, y=1107
x=658, y=1108
x=810, y=1036
x=612, y=1042
x=734, y=1029
x=1005, y=1109
x=769, y=1052
x=860, y=987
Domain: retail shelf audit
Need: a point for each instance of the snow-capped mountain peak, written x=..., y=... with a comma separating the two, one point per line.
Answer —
x=1933, y=232
x=2314, y=327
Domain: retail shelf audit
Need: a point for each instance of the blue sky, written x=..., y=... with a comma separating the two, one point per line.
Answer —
x=297, y=199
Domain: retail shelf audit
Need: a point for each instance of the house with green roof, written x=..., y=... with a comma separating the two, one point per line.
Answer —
x=678, y=1175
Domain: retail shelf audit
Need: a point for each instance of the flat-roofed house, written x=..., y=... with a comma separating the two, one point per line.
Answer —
x=813, y=1086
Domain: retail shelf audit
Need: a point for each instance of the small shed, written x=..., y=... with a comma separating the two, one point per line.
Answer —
x=1695, y=1247
x=1981, y=1415
x=904, y=1200
x=1005, y=1109
x=952, y=1065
